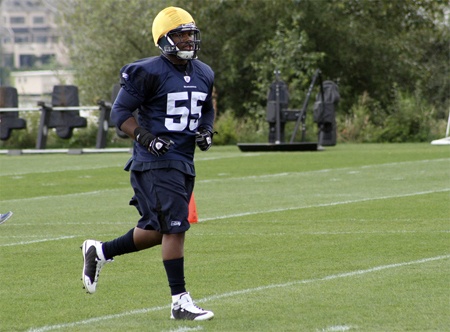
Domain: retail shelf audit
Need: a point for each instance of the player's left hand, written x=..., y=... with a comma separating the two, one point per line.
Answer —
x=203, y=137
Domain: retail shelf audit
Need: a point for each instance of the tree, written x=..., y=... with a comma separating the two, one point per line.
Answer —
x=365, y=46
x=103, y=36
x=373, y=45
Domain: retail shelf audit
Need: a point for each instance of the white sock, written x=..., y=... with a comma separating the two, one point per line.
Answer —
x=175, y=298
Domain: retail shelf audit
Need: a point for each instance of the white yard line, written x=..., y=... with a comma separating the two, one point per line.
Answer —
x=349, y=170
x=60, y=169
x=221, y=179
x=37, y=241
x=118, y=166
x=82, y=168
x=238, y=293
x=248, y=213
x=87, y=193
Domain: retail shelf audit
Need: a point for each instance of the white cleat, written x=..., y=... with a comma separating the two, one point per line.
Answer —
x=185, y=309
x=93, y=263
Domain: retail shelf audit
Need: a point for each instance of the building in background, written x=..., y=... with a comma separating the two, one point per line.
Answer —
x=29, y=40
x=39, y=82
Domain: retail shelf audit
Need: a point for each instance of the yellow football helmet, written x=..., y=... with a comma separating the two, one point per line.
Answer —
x=171, y=21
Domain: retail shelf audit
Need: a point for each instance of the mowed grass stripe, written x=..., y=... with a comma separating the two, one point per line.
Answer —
x=385, y=172
x=241, y=292
x=314, y=216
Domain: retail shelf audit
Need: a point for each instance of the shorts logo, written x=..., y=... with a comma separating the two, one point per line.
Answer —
x=175, y=223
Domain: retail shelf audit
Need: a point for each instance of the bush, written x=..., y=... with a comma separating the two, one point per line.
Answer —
x=232, y=130
x=359, y=125
x=225, y=126
x=409, y=119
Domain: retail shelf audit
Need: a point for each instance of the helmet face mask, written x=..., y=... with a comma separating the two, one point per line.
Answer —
x=182, y=42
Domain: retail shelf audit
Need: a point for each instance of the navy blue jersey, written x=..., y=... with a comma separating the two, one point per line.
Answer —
x=172, y=103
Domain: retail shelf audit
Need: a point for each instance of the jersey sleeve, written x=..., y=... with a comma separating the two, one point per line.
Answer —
x=135, y=80
x=136, y=86
x=207, y=119
x=208, y=113
x=123, y=107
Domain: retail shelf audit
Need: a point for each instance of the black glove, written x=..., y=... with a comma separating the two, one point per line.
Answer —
x=155, y=145
x=204, y=137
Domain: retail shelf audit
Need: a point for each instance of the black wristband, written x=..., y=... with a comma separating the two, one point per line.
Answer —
x=139, y=131
x=143, y=136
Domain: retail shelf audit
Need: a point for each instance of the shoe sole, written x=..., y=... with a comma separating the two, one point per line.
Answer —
x=196, y=319
x=207, y=316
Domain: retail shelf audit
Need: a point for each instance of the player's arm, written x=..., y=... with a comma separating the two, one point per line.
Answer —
x=204, y=134
x=129, y=126
x=122, y=111
x=207, y=119
x=122, y=115
x=133, y=80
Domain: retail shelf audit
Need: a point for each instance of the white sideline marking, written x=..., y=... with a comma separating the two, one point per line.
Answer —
x=239, y=292
x=37, y=241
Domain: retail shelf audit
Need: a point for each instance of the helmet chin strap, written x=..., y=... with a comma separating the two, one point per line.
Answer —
x=186, y=55
x=173, y=51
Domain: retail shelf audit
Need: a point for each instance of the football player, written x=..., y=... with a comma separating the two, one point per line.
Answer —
x=173, y=93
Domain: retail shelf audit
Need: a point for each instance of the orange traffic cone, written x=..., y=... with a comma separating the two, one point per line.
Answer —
x=192, y=217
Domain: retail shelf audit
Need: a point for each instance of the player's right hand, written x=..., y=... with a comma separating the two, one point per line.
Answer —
x=159, y=146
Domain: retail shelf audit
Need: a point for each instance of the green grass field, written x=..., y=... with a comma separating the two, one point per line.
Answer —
x=353, y=238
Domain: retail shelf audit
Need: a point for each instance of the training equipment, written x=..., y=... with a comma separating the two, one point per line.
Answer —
x=204, y=139
x=185, y=309
x=94, y=260
x=171, y=21
x=278, y=115
x=192, y=216
x=5, y=216
x=327, y=100
x=9, y=120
